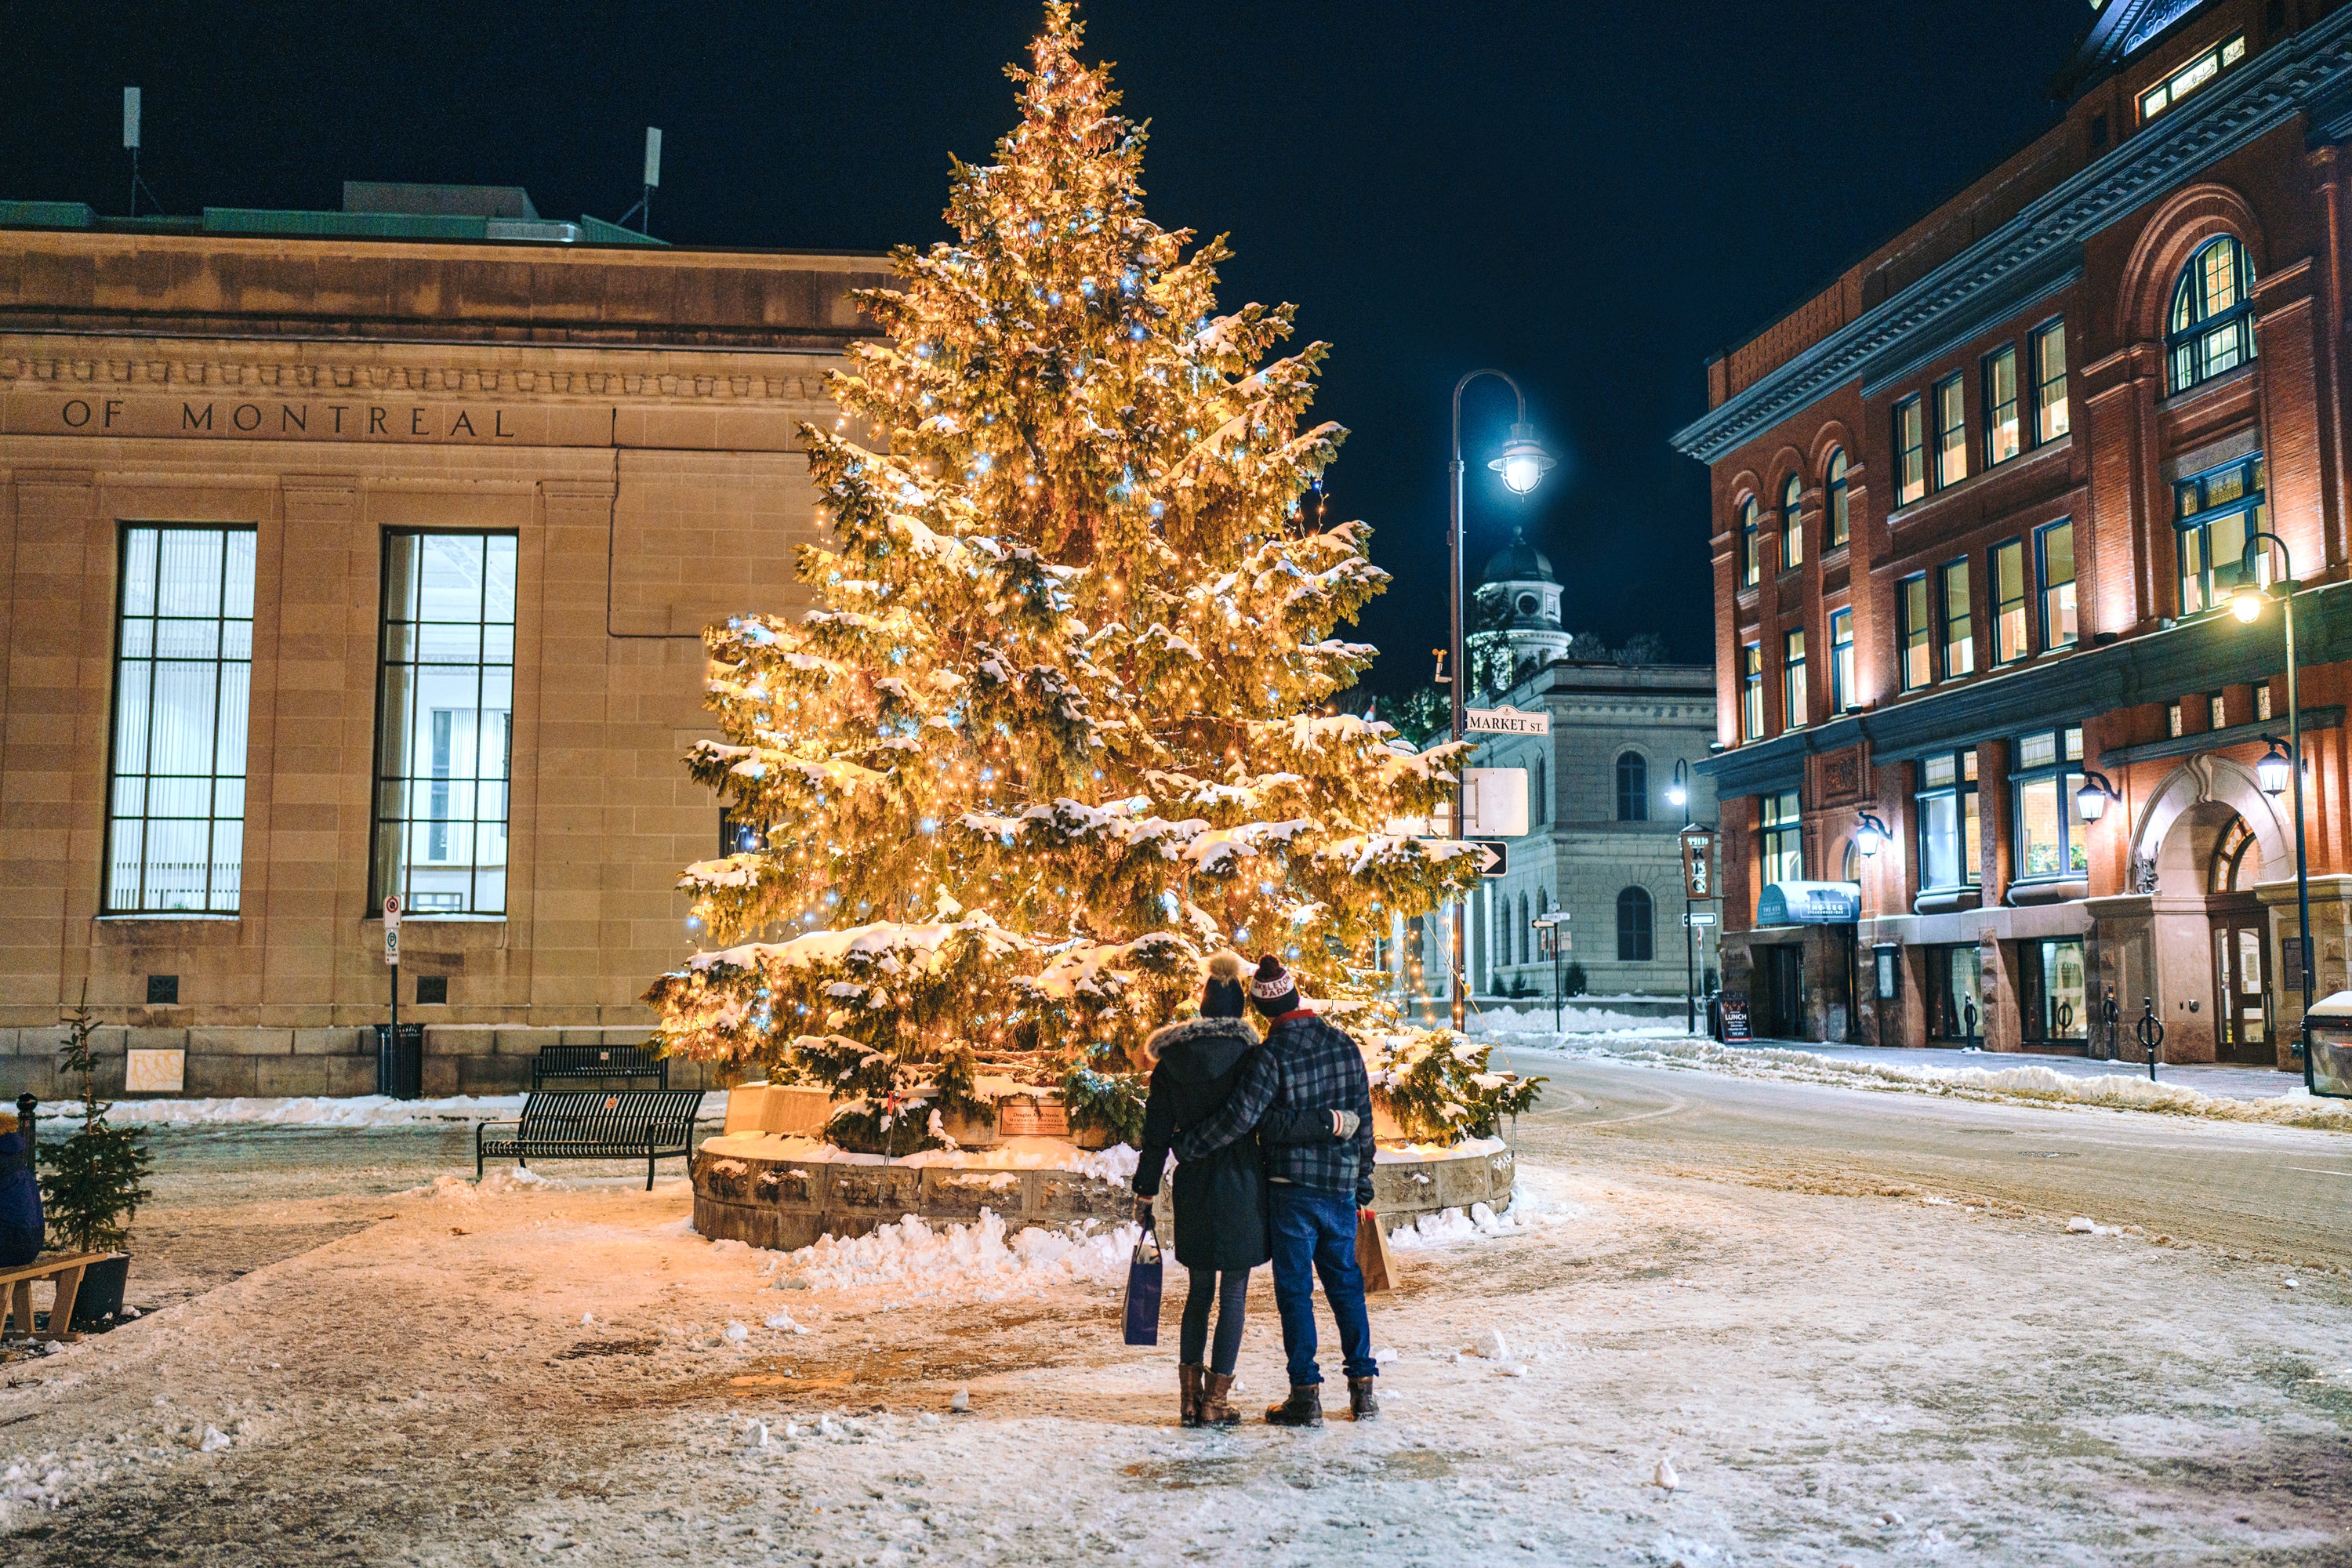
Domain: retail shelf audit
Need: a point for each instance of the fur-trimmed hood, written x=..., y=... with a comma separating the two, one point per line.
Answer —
x=1199, y=1049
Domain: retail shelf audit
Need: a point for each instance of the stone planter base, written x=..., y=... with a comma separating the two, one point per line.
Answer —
x=787, y=1204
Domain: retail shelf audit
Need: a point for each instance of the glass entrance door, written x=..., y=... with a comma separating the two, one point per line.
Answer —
x=2241, y=990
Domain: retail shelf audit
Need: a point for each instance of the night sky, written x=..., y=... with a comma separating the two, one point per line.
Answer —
x=1592, y=197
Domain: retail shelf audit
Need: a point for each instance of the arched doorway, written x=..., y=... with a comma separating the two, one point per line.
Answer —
x=2199, y=850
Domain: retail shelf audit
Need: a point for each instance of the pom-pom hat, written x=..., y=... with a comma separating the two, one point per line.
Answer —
x=1272, y=990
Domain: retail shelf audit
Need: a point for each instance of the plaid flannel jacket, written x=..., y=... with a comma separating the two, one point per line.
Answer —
x=1305, y=1063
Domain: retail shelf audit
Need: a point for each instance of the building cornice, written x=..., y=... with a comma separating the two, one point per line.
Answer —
x=2310, y=71
x=2211, y=651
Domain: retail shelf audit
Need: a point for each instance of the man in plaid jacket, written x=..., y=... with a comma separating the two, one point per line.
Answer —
x=1314, y=1190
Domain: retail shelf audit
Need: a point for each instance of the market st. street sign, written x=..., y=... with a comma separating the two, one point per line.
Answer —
x=1505, y=721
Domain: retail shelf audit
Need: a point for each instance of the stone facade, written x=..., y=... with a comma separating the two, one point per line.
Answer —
x=2188, y=256
x=628, y=413
x=1586, y=847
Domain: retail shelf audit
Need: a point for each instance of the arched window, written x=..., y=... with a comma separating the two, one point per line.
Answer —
x=1841, y=521
x=1538, y=802
x=2212, y=328
x=1634, y=926
x=1751, y=563
x=1850, y=869
x=1633, y=788
x=1792, y=531
x=1527, y=933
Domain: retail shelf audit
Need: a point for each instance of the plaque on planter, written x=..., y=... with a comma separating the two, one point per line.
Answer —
x=1025, y=1117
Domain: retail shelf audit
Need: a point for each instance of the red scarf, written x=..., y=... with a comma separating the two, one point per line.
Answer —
x=1294, y=1012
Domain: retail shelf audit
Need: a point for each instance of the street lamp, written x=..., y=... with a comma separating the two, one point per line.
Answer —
x=1522, y=465
x=1678, y=794
x=1523, y=461
x=2246, y=604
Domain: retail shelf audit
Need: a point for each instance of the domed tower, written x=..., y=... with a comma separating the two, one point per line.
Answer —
x=1517, y=618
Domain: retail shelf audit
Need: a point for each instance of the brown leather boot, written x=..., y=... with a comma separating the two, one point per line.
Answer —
x=1189, y=1376
x=1216, y=1406
x=1303, y=1408
x=1363, y=1399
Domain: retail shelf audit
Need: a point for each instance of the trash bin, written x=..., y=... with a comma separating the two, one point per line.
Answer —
x=400, y=1061
x=2331, y=1046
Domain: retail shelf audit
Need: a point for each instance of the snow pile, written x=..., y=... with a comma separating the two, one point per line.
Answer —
x=502, y=1183
x=2040, y=1084
x=1450, y=1226
x=1410, y=1152
x=358, y=1111
x=917, y=1262
x=1539, y=1020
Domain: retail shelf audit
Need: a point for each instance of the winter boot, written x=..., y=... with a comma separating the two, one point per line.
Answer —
x=1363, y=1399
x=1216, y=1406
x=1188, y=1392
x=1303, y=1408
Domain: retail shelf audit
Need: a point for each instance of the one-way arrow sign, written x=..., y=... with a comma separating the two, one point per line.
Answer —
x=1494, y=856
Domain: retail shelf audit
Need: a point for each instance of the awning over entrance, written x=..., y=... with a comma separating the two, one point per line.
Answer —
x=1809, y=904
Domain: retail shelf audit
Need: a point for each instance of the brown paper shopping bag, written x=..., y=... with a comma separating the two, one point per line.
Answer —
x=1372, y=1254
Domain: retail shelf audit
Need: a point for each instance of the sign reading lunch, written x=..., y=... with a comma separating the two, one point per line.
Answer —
x=233, y=417
x=1505, y=721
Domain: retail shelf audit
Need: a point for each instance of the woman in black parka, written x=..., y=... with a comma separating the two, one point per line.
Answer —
x=1221, y=1223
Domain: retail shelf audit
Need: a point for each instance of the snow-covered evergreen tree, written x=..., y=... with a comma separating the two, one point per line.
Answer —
x=1057, y=728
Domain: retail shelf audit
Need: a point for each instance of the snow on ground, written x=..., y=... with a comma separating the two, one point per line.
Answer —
x=1670, y=1370
x=1116, y=1164
x=1590, y=1020
x=2041, y=1085
x=356, y=1110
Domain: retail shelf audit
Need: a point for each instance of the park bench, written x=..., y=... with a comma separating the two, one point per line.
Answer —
x=561, y=1062
x=65, y=1268
x=652, y=1125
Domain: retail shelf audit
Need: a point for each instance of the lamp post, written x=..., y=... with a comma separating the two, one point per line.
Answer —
x=1678, y=794
x=1522, y=465
x=2247, y=604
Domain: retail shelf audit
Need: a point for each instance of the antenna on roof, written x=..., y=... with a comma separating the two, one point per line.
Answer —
x=653, y=178
x=130, y=144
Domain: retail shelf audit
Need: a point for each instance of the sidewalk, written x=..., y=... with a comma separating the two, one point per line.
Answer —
x=2222, y=1080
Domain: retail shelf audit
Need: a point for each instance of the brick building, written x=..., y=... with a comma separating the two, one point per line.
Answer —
x=348, y=553
x=1976, y=509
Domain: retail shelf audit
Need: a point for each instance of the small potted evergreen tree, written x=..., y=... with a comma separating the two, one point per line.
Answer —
x=95, y=1182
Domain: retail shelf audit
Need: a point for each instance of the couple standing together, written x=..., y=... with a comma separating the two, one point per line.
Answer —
x=1274, y=1150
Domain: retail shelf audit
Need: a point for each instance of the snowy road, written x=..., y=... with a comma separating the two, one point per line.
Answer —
x=2270, y=1192
x=1854, y=1327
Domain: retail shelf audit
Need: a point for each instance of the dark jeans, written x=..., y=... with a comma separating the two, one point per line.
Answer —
x=1232, y=1296
x=19, y=1245
x=1315, y=1233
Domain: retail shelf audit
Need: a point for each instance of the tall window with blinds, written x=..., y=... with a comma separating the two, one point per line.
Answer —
x=444, y=708
x=183, y=688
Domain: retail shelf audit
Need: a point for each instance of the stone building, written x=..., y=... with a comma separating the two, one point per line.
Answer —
x=366, y=552
x=1602, y=842
x=1978, y=509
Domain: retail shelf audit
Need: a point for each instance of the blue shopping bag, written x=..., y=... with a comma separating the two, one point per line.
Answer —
x=1143, y=1289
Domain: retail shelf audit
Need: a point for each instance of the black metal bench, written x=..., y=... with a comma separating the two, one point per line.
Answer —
x=561, y=1062
x=656, y=1124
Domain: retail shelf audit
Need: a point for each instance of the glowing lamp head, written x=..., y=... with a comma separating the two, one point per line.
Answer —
x=2091, y=802
x=1676, y=795
x=1524, y=460
x=2246, y=604
x=2274, y=771
x=1870, y=837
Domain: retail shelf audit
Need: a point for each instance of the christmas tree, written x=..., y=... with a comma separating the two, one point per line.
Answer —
x=97, y=1177
x=1058, y=726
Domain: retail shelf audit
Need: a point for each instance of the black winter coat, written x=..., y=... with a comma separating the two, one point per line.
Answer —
x=1220, y=1201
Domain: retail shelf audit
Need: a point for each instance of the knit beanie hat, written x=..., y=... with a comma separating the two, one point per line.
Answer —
x=1272, y=989
x=1223, y=998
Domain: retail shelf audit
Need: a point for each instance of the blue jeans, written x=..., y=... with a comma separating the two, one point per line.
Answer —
x=1314, y=1233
